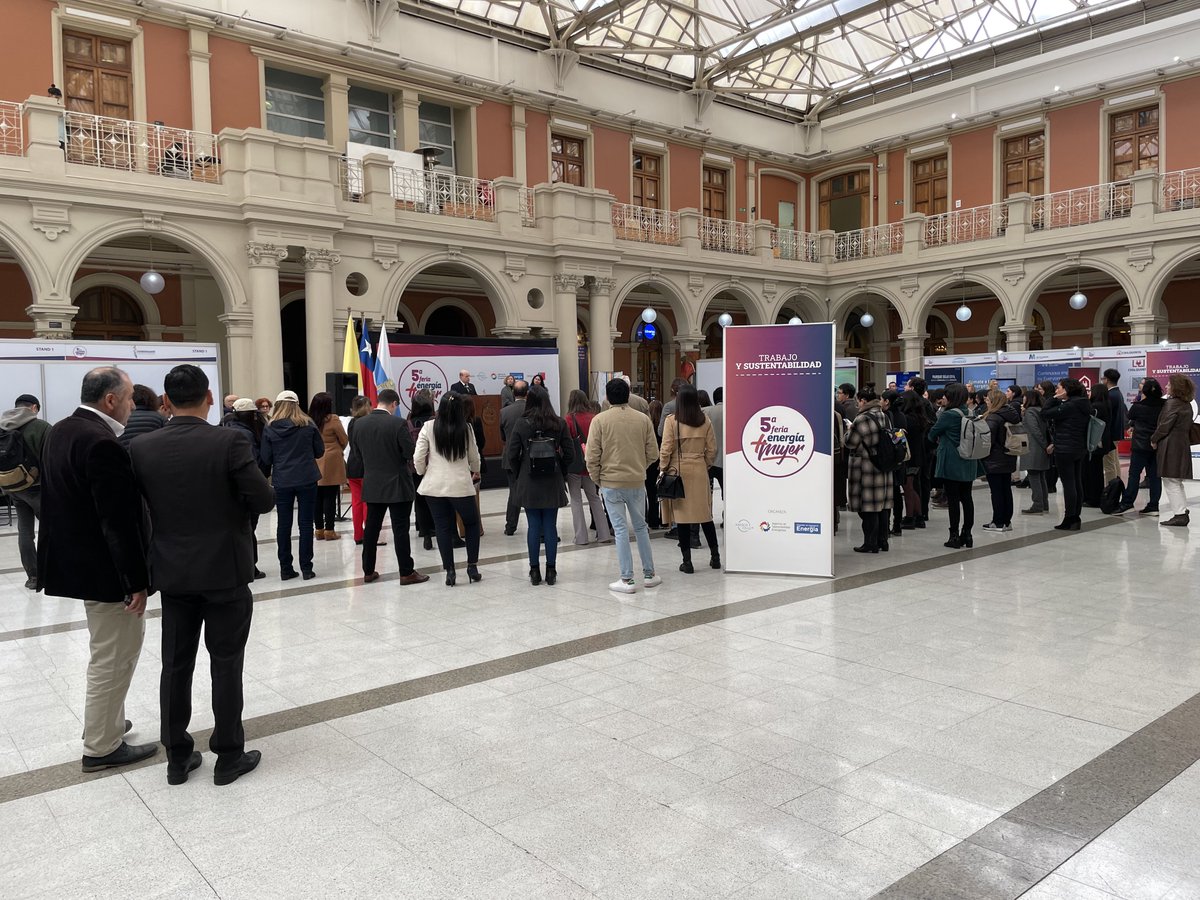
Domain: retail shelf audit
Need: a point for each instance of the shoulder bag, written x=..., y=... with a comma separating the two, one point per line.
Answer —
x=670, y=483
x=578, y=464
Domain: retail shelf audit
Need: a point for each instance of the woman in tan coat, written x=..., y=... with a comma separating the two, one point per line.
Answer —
x=689, y=446
x=332, y=464
x=1170, y=441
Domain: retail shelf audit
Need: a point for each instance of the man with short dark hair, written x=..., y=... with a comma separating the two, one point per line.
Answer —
x=620, y=448
x=202, y=486
x=846, y=403
x=22, y=436
x=93, y=548
x=1116, y=424
x=509, y=416
x=386, y=447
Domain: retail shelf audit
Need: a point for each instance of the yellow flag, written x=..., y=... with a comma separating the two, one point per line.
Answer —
x=350, y=360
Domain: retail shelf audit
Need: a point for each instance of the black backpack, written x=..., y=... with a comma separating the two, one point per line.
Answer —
x=1110, y=500
x=18, y=467
x=543, y=454
x=890, y=451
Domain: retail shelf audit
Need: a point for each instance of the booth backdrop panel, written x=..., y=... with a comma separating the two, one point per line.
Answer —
x=845, y=371
x=940, y=376
x=710, y=374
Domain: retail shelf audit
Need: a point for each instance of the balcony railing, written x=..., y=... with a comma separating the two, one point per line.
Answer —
x=12, y=129
x=141, y=147
x=726, y=236
x=645, y=225
x=528, y=210
x=1083, y=206
x=867, y=243
x=795, y=245
x=350, y=179
x=443, y=194
x=962, y=226
x=1180, y=190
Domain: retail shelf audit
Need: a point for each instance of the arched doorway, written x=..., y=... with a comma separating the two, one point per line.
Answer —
x=1116, y=329
x=107, y=313
x=295, y=348
x=725, y=302
x=938, y=342
x=448, y=300
x=450, y=321
x=1176, y=302
x=972, y=334
x=650, y=362
x=1090, y=324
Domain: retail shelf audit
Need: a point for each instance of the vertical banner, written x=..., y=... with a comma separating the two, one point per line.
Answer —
x=779, y=385
x=1161, y=365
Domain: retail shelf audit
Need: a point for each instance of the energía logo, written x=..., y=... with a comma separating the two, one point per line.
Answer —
x=777, y=441
x=421, y=375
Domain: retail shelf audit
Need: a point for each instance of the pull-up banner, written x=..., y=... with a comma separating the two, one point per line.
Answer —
x=779, y=384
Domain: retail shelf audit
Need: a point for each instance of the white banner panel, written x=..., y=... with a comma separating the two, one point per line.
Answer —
x=779, y=385
x=434, y=367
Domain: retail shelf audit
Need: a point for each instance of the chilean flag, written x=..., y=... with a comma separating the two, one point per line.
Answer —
x=367, y=365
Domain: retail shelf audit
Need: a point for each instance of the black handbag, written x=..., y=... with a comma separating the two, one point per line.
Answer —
x=670, y=484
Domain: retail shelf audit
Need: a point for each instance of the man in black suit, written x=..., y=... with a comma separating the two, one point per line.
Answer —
x=202, y=486
x=93, y=548
x=463, y=385
x=509, y=416
x=386, y=448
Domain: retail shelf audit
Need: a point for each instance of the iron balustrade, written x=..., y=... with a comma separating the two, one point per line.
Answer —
x=645, y=225
x=12, y=128
x=1083, y=206
x=726, y=236
x=141, y=147
x=350, y=179
x=867, y=243
x=795, y=245
x=1179, y=190
x=443, y=194
x=528, y=211
x=962, y=226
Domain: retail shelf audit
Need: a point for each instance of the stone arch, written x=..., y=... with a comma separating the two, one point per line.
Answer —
x=1103, y=310
x=683, y=315
x=406, y=316
x=493, y=287
x=151, y=316
x=949, y=323
x=841, y=307
x=750, y=303
x=37, y=272
x=809, y=305
x=1152, y=302
x=951, y=279
x=291, y=297
x=455, y=303
x=999, y=317
x=1037, y=286
x=232, y=290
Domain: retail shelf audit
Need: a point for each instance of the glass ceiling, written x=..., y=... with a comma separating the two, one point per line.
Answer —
x=802, y=54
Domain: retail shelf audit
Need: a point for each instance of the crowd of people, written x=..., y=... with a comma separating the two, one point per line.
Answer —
x=136, y=492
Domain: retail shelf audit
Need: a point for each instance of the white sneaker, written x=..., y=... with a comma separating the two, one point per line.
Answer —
x=1007, y=528
x=651, y=581
x=992, y=526
x=623, y=587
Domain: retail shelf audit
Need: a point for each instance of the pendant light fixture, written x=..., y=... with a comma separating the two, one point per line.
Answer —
x=963, y=313
x=866, y=320
x=151, y=281
x=1079, y=298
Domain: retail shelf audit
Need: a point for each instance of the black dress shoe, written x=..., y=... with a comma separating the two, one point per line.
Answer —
x=179, y=774
x=288, y=575
x=459, y=542
x=865, y=549
x=509, y=532
x=230, y=774
x=309, y=575
x=259, y=573
x=122, y=756
x=428, y=543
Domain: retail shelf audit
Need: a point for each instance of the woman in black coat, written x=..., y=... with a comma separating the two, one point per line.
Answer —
x=1069, y=411
x=919, y=420
x=1093, y=468
x=890, y=404
x=1143, y=417
x=542, y=494
x=145, y=416
x=999, y=465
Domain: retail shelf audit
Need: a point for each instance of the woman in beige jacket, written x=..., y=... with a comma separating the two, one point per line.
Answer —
x=689, y=446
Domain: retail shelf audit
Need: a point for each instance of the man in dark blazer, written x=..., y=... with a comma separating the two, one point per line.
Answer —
x=509, y=416
x=386, y=449
x=202, y=485
x=93, y=548
x=463, y=385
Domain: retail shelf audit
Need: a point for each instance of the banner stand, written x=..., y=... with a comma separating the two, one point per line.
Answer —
x=778, y=439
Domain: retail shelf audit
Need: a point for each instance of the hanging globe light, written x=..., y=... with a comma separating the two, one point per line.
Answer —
x=866, y=320
x=649, y=315
x=725, y=320
x=152, y=282
x=1078, y=300
x=795, y=320
x=963, y=313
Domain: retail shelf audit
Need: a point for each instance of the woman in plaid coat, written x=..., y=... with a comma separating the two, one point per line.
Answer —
x=870, y=492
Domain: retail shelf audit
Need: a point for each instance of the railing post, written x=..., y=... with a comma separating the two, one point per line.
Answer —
x=1144, y=187
x=914, y=226
x=377, y=186
x=689, y=231
x=762, y=240
x=44, y=130
x=1018, y=210
x=826, y=247
x=506, y=197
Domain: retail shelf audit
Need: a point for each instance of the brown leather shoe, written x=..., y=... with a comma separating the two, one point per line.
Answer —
x=318, y=535
x=370, y=577
x=332, y=536
x=414, y=578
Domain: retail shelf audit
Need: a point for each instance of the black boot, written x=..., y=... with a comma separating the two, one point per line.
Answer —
x=535, y=575
x=714, y=561
x=954, y=543
x=965, y=537
x=551, y=574
x=428, y=544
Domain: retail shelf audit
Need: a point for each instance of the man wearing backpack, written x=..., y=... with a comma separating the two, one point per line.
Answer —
x=22, y=436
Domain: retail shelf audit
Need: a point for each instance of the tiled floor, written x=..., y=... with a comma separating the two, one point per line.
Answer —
x=778, y=738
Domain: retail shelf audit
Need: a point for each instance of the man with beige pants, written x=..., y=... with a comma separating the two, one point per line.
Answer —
x=93, y=548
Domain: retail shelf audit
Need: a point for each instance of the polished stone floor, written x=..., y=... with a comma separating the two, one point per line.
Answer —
x=1020, y=719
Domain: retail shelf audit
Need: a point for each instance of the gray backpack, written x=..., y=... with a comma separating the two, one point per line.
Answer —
x=975, y=442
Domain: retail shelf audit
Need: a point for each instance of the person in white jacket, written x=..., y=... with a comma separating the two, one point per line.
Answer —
x=447, y=460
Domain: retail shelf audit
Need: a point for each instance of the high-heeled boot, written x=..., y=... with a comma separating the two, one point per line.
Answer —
x=714, y=561
x=954, y=543
x=965, y=538
x=551, y=575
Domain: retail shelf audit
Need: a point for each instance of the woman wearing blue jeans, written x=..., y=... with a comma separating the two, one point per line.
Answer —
x=540, y=487
x=291, y=446
x=1143, y=416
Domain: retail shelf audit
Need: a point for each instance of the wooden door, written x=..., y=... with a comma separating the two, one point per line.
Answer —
x=647, y=180
x=930, y=182
x=715, y=193
x=98, y=81
x=567, y=160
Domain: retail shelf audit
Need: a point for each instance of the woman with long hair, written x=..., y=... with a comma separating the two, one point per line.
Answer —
x=447, y=460
x=1093, y=467
x=476, y=424
x=1069, y=412
x=654, y=518
x=889, y=402
x=999, y=464
x=869, y=491
x=956, y=474
x=919, y=418
x=1143, y=418
x=359, y=407
x=1170, y=441
x=419, y=413
x=291, y=446
x=539, y=451
x=689, y=446
x=1035, y=461
x=332, y=464
x=579, y=423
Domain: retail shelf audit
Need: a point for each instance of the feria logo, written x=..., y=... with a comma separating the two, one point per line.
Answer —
x=777, y=441
x=421, y=375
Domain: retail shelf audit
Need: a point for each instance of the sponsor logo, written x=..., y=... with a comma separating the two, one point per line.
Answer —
x=777, y=441
x=79, y=352
x=806, y=528
x=421, y=375
x=764, y=526
x=744, y=526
